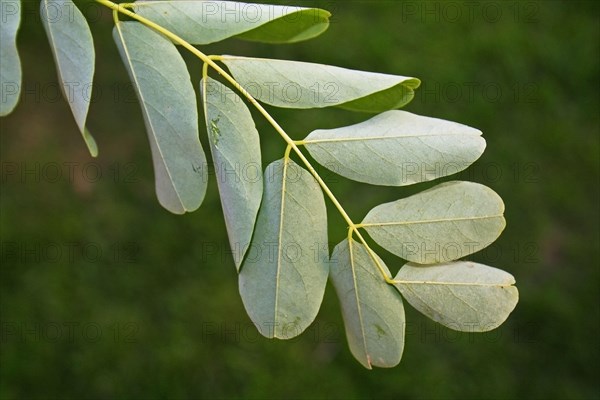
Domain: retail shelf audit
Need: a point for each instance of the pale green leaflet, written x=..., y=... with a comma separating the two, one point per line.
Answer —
x=280, y=212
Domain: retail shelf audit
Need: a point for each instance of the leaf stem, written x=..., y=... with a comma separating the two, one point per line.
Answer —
x=388, y=279
x=210, y=61
x=286, y=155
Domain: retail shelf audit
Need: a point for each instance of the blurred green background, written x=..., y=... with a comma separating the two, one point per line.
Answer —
x=106, y=295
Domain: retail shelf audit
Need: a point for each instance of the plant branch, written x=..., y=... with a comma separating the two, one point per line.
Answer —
x=292, y=145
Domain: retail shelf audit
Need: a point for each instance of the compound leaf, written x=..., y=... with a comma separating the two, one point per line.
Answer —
x=295, y=84
x=10, y=64
x=235, y=149
x=73, y=49
x=203, y=22
x=168, y=101
x=463, y=296
x=372, y=310
x=282, y=280
x=444, y=223
x=396, y=148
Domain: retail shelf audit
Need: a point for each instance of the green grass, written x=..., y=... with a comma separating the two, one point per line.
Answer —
x=144, y=304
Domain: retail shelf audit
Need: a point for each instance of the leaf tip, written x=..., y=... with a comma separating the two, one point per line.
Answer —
x=90, y=142
x=369, y=364
x=412, y=83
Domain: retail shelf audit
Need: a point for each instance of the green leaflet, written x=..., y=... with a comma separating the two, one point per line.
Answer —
x=168, y=102
x=277, y=223
x=464, y=296
x=294, y=84
x=282, y=280
x=203, y=22
x=10, y=64
x=444, y=223
x=235, y=148
x=396, y=148
x=73, y=49
x=372, y=310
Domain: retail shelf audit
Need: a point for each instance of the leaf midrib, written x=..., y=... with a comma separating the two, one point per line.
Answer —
x=362, y=139
x=279, y=239
x=358, y=307
x=143, y=104
x=408, y=283
x=59, y=66
x=429, y=221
